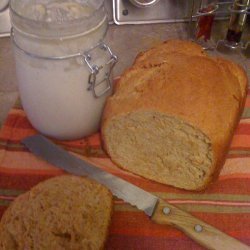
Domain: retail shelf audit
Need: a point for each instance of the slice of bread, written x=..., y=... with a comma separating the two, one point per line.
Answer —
x=173, y=114
x=65, y=212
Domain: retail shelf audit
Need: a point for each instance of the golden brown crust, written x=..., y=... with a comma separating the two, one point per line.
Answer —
x=206, y=92
x=60, y=213
x=239, y=73
x=159, y=54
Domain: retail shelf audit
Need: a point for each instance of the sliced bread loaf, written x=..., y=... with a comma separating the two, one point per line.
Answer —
x=173, y=114
x=65, y=212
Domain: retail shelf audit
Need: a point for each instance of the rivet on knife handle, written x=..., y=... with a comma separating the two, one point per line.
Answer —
x=199, y=231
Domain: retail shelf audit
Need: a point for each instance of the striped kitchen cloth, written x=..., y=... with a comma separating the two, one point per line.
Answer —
x=225, y=204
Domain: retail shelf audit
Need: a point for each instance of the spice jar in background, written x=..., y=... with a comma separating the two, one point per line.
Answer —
x=63, y=67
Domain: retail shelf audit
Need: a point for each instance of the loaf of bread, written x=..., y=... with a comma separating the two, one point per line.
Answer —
x=173, y=115
x=65, y=212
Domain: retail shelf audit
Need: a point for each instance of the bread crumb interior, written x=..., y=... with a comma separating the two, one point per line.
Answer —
x=160, y=147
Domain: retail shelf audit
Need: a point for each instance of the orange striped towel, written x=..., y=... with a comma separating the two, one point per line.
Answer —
x=225, y=204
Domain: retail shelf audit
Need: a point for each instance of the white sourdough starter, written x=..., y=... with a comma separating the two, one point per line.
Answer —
x=54, y=92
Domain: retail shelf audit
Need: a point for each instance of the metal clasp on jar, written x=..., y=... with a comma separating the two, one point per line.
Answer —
x=95, y=69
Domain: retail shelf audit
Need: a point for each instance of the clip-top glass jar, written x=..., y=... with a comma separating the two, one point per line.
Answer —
x=63, y=66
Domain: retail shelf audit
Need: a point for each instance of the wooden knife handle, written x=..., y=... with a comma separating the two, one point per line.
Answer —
x=201, y=232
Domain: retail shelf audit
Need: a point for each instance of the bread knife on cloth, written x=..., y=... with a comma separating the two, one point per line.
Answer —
x=157, y=209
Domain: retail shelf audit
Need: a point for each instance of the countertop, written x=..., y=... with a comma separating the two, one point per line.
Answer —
x=126, y=41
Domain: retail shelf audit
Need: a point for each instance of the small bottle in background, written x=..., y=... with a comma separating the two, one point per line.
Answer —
x=237, y=21
x=205, y=21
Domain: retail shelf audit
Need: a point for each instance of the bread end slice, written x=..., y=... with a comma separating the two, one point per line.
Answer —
x=65, y=212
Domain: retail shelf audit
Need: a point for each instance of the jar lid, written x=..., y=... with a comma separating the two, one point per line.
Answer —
x=51, y=17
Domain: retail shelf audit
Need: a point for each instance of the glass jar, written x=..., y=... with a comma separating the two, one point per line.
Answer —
x=63, y=66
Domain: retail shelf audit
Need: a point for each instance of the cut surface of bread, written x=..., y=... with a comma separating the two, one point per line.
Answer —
x=171, y=118
x=65, y=212
x=161, y=146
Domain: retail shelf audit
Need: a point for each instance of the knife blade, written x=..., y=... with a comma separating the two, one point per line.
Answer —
x=159, y=210
x=42, y=147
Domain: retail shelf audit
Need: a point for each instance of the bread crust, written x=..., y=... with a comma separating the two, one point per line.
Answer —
x=208, y=93
x=158, y=55
x=56, y=206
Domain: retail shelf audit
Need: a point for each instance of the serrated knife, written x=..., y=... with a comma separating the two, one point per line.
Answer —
x=157, y=209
